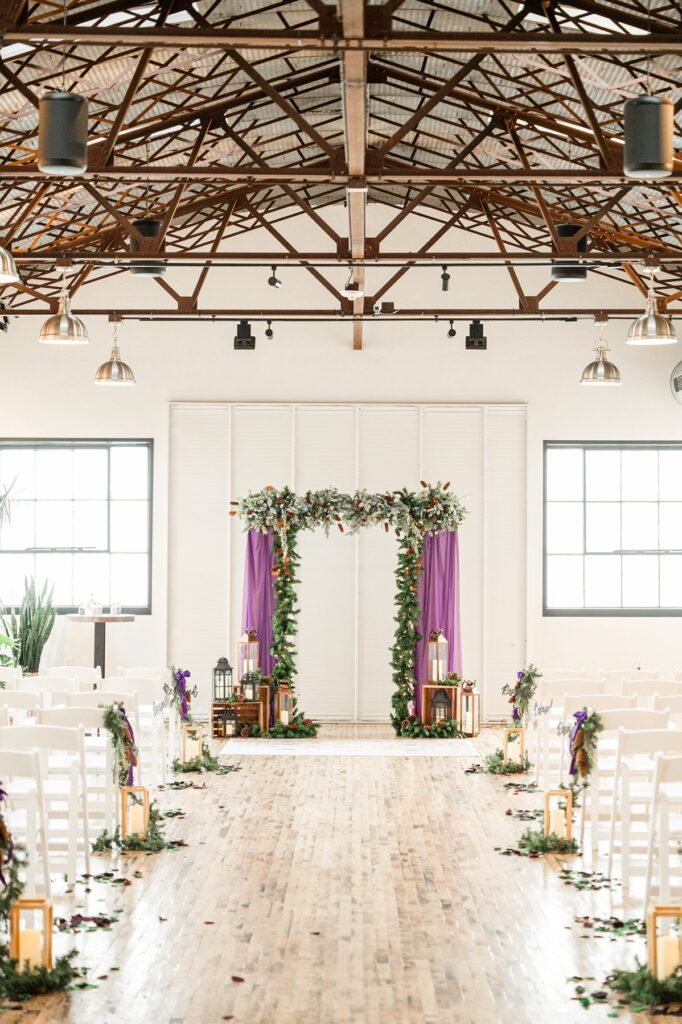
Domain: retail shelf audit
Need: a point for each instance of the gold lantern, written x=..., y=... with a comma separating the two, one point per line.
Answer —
x=248, y=656
x=134, y=811
x=664, y=950
x=559, y=818
x=515, y=744
x=437, y=657
x=191, y=742
x=284, y=704
x=469, y=709
x=30, y=933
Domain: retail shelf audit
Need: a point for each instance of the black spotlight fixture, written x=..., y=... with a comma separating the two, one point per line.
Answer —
x=566, y=270
x=244, y=340
x=445, y=280
x=273, y=280
x=476, y=340
x=269, y=333
x=452, y=332
x=649, y=130
x=148, y=227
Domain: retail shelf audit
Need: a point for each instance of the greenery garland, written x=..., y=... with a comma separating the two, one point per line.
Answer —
x=124, y=751
x=403, y=653
x=495, y=764
x=583, y=750
x=537, y=843
x=522, y=693
x=298, y=728
x=153, y=841
x=284, y=625
x=644, y=990
x=414, y=728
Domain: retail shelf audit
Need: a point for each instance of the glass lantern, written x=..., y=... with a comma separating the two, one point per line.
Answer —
x=559, y=813
x=248, y=659
x=284, y=707
x=441, y=707
x=437, y=663
x=226, y=722
x=191, y=742
x=30, y=933
x=664, y=950
x=222, y=680
x=250, y=685
x=515, y=744
x=134, y=811
x=469, y=709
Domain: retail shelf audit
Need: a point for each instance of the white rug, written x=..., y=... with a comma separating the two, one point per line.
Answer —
x=349, y=748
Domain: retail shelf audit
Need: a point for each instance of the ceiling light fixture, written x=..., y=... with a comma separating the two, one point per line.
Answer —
x=648, y=133
x=352, y=289
x=273, y=280
x=63, y=327
x=445, y=280
x=269, y=333
x=568, y=271
x=452, y=332
x=244, y=340
x=652, y=328
x=476, y=340
x=8, y=268
x=148, y=227
x=115, y=371
x=676, y=383
x=600, y=370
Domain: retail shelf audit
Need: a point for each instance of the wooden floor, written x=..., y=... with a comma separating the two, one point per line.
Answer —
x=363, y=890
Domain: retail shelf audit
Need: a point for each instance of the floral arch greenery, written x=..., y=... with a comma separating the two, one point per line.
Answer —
x=411, y=514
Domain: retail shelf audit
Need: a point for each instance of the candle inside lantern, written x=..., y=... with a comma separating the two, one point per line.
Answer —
x=667, y=955
x=193, y=746
x=136, y=823
x=557, y=823
x=434, y=671
x=30, y=948
x=514, y=748
x=284, y=717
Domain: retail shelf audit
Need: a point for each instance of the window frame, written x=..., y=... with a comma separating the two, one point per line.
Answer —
x=605, y=612
x=70, y=444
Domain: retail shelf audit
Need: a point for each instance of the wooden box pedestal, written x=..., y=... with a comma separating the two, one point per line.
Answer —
x=428, y=691
x=249, y=712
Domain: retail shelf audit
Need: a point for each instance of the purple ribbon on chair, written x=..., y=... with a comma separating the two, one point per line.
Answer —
x=133, y=748
x=181, y=683
x=10, y=845
x=580, y=718
x=516, y=714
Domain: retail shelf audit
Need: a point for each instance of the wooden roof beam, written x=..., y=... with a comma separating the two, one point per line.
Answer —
x=354, y=79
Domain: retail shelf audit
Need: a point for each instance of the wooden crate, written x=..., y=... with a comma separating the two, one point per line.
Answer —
x=428, y=690
x=248, y=713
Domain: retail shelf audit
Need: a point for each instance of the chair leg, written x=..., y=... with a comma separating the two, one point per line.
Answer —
x=664, y=853
x=84, y=811
x=626, y=831
x=617, y=782
x=47, y=880
x=650, y=850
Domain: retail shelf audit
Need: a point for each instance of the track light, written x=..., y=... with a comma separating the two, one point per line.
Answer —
x=273, y=280
x=244, y=340
x=115, y=371
x=63, y=133
x=269, y=333
x=652, y=328
x=452, y=332
x=600, y=370
x=351, y=289
x=445, y=280
x=8, y=268
x=476, y=340
x=149, y=227
x=565, y=270
x=63, y=327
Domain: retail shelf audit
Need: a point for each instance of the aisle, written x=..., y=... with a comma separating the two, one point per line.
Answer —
x=342, y=891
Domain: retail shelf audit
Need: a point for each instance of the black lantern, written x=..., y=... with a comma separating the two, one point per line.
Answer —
x=222, y=680
x=225, y=721
x=441, y=708
x=250, y=685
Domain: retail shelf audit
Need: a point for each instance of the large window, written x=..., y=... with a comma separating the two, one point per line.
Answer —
x=80, y=519
x=613, y=529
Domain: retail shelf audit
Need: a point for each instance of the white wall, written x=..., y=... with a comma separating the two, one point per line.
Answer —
x=48, y=392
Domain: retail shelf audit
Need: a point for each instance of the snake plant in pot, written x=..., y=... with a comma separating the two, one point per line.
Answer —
x=31, y=629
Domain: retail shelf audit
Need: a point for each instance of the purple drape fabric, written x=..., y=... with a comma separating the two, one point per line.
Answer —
x=259, y=593
x=439, y=603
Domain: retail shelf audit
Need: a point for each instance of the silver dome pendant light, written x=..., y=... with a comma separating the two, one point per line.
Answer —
x=600, y=371
x=652, y=328
x=115, y=371
x=8, y=268
x=63, y=327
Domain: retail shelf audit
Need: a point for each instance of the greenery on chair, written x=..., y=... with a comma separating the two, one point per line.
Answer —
x=31, y=630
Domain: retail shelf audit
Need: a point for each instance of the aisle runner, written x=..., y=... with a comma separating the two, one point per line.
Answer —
x=349, y=748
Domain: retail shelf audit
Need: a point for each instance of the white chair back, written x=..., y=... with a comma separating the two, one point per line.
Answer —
x=72, y=717
x=626, y=675
x=21, y=700
x=47, y=684
x=556, y=689
x=41, y=737
x=564, y=673
x=148, y=689
x=82, y=673
x=634, y=718
x=163, y=672
x=671, y=703
x=9, y=676
x=599, y=701
x=651, y=687
x=102, y=698
x=649, y=741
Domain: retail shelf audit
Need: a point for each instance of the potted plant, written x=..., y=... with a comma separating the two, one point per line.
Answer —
x=31, y=630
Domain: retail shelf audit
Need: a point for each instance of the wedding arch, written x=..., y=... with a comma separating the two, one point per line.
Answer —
x=427, y=573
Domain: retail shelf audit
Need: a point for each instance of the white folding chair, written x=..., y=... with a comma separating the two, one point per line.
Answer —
x=598, y=797
x=151, y=741
x=649, y=690
x=599, y=702
x=22, y=776
x=633, y=789
x=665, y=826
x=53, y=688
x=62, y=757
x=103, y=698
x=99, y=767
x=550, y=674
x=9, y=676
x=87, y=677
x=21, y=705
x=549, y=700
x=615, y=678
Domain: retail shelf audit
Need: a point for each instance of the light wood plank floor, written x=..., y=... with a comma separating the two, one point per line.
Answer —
x=343, y=891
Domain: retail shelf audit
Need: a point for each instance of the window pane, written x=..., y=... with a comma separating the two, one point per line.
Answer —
x=602, y=581
x=129, y=472
x=564, y=474
x=57, y=571
x=19, y=465
x=19, y=533
x=54, y=473
x=640, y=525
x=90, y=524
x=671, y=524
x=54, y=524
x=91, y=577
x=564, y=581
x=129, y=525
x=14, y=570
x=671, y=581
x=90, y=473
x=640, y=581
x=670, y=475
x=129, y=579
x=602, y=476
x=564, y=527
x=640, y=475
x=603, y=526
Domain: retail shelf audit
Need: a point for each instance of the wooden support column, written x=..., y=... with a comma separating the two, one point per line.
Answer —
x=355, y=119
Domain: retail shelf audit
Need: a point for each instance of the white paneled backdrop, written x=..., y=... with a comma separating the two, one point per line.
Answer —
x=218, y=452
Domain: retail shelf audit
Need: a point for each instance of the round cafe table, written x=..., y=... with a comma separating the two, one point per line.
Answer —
x=100, y=621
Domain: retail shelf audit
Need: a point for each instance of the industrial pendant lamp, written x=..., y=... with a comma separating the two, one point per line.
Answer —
x=648, y=131
x=8, y=268
x=600, y=370
x=148, y=227
x=115, y=371
x=63, y=327
x=351, y=289
x=652, y=328
x=63, y=133
x=567, y=271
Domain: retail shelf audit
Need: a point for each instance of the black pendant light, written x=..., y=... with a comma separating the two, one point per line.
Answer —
x=567, y=270
x=148, y=227
x=63, y=133
x=649, y=126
